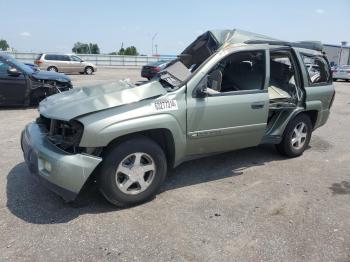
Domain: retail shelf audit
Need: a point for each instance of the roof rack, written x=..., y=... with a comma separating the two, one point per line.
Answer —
x=313, y=45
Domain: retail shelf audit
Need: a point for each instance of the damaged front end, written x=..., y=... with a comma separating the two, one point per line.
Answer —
x=42, y=88
x=66, y=135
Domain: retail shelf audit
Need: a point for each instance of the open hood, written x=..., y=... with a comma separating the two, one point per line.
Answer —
x=81, y=101
x=209, y=42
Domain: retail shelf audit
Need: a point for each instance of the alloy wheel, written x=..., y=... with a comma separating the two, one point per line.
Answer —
x=135, y=173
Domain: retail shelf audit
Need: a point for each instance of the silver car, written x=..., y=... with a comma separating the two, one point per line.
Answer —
x=68, y=63
x=341, y=72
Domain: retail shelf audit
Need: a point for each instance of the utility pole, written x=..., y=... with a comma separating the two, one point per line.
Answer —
x=153, y=41
x=156, y=49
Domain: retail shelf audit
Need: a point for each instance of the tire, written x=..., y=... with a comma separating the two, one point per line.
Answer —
x=335, y=79
x=52, y=69
x=88, y=70
x=301, y=123
x=121, y=173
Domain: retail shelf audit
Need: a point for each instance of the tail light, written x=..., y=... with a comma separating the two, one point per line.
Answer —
x=38, y=62
x=157, y=68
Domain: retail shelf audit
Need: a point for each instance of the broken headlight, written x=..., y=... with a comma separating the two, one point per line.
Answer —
x=64, y=134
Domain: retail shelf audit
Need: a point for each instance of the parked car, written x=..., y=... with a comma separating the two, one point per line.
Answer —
x=152, y=69
x=21, y=85
x=64, y=63
x=341, y=72
x=32, y=66
x=127, y=136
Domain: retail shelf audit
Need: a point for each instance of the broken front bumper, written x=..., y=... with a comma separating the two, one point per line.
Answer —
x=63, y=173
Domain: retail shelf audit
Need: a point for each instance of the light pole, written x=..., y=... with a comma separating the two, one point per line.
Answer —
x=343, y=43
x=153, y=41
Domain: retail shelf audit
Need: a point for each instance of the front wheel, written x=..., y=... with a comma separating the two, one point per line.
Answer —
x=88, y=70
x=296, y=136
x=132, y=172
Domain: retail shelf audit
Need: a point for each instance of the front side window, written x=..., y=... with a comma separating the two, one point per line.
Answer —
x=242, y=71
x=75, y=58
x=317, y=69
x=3, y=68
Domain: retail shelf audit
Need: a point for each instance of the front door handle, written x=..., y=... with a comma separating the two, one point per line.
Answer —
x=257, y=105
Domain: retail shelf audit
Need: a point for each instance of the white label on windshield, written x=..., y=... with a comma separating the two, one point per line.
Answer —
x=165, y=105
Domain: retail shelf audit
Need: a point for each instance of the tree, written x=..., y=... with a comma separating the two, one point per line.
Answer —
x=3, y=45
x=83, y=48
x=121, y=51
x=131, y=50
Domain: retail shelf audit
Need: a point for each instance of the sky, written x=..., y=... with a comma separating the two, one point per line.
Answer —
x=54, y=26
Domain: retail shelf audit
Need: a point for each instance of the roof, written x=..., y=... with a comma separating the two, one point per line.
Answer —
x=236, y=36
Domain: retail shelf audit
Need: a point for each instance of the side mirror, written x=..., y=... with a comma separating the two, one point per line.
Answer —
x=12, y=71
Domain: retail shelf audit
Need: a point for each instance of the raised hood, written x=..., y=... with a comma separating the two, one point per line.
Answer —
x=81, y=101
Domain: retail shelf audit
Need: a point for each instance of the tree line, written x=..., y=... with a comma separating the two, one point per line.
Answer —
x=90, y=48
x=85, y=48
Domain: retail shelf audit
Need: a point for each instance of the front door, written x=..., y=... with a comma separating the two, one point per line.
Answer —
x=234, y=115
x=12, y=87
x=76, y=64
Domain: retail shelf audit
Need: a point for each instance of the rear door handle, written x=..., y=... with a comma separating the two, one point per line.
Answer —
x=257, y=105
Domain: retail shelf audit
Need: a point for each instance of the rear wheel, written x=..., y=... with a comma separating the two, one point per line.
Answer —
x=132, y=172
x=52, y=69
x=296, y=136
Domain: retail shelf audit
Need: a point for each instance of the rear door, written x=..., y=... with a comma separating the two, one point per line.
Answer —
x=236, y=116
x=64, y=64
x=13, y=89
x=318, y=85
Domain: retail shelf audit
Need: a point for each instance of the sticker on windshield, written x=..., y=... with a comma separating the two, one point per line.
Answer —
x=165, y=105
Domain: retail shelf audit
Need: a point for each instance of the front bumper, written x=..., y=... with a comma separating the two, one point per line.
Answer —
x=63, y=173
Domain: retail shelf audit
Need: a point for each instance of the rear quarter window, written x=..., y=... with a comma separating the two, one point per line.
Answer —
x=317, y=69
x=50, y=57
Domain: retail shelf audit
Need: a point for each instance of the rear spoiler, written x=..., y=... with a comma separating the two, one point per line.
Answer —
x=313, y=45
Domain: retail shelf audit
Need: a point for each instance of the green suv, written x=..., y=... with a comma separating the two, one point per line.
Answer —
x=229, y=89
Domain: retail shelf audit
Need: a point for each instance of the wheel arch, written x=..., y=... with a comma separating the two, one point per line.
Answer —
x=162, y=136
x=164, y=129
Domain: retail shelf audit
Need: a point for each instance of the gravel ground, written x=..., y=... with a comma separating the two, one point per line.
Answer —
x=247, y=205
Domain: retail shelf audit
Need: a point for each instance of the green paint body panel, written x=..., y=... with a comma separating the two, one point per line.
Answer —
x=198, y=125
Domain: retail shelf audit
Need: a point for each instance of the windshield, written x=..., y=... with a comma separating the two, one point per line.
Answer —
x=21, y=66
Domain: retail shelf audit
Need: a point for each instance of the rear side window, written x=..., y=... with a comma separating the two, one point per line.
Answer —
x=317, y=69
x=57, y=57
x=50, y=57
x=64, y=58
